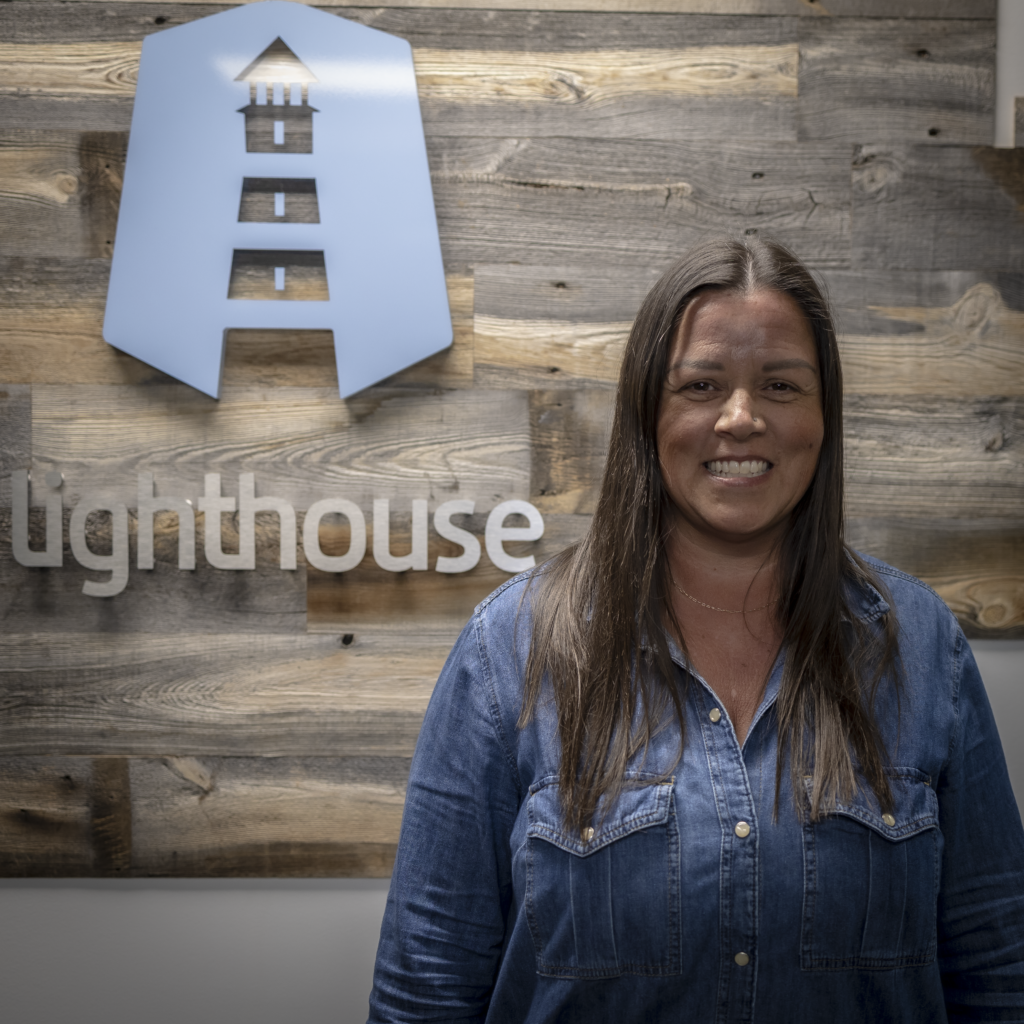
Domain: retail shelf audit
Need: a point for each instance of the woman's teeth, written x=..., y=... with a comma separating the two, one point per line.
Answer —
x=753, y=467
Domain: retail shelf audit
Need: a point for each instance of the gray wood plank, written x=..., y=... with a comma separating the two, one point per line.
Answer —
x=928, y=9
x=581, y=293
x=938, y=208
x=548, y=201
x=15, y=430
x=913, y=81
x=199, y=695
x=485, y=28
x=914, y=456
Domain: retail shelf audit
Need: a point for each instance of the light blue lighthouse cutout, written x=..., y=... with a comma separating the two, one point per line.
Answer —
x=277, y=178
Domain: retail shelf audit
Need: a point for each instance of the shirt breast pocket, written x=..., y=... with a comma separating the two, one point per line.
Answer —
x=607, y=905
x=871, y=881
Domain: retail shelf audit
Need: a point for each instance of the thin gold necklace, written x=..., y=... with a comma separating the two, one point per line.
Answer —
x=714, y=608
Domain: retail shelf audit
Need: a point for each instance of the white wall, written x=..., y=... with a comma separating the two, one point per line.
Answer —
x=290, y=952
x=1010, y=68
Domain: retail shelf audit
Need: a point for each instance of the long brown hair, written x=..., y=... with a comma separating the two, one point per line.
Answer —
x=600, y=609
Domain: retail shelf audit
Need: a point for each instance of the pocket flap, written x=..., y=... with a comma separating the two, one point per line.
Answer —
x=915, y=806
x=640, y=805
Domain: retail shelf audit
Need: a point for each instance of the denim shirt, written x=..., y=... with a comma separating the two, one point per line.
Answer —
x=689, y=902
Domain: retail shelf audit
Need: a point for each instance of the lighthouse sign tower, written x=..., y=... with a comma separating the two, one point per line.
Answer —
x=307, y=207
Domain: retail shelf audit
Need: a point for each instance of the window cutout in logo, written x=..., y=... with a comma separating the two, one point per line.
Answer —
x=281, y=185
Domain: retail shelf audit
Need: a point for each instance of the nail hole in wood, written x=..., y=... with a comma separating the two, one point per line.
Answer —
x=923, y=53
x=757, y=174
x=933, y=131
x=346, y=640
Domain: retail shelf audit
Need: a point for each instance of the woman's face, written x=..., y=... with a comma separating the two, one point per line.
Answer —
x=740, y=424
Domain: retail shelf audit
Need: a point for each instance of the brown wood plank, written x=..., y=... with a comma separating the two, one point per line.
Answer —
x=976, y=567
x=368, y=595
x=46, y=816
x=111, y=808
x=571, y=431
x=199, y=694
x=267, y=817
x=938, y=208
x=303, y=444
x=874, y=81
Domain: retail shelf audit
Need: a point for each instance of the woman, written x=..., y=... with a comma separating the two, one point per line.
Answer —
x=709, y=764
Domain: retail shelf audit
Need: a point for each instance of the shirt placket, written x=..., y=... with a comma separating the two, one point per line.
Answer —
x=740, y=874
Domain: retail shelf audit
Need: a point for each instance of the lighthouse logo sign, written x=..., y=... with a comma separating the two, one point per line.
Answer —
x=277, y=178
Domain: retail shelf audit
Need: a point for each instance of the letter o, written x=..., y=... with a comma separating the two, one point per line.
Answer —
x=311, y=535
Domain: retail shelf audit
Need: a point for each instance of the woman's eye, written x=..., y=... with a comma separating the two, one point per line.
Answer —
x=700, y=386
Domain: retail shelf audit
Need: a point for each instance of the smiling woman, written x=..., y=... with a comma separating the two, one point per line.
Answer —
x=710, y=763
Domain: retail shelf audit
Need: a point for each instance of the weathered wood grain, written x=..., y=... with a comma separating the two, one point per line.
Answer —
x=551, y=201
x=367, y=595
x=303, y=444
x=547, y=353
x=571, y=431
x=111, y=808
x=977, y=567
x=757, y=7
x=654, y=92
x=485, y=27
x=876, y=81
x=973, y=347
x=807, y=8
x=51, y=333
x=15, y=428
x=165, y=599
x=1018, y=121
x=198, y=695
x=938, y=208
x=46, y=816
x=585, y=293
x=266, y=817
x=914, y=457
x=59, y=192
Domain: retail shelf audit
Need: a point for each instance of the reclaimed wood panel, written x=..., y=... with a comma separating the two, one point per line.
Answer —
x=266, y=817
x=910, y=456
x=303, y=444
x=200, y=818
x=52, y=333
x=165, y=599
x=938, y=208
x=807, y=8
x=619, y=202
x=367, y=595
x=977, y=567
x=206, y=694
x=885, y=80
x=655, y=92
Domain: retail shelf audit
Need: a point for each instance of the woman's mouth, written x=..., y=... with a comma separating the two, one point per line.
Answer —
x=751, y=467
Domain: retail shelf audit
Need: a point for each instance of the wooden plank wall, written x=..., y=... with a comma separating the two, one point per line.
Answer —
x=261, y=723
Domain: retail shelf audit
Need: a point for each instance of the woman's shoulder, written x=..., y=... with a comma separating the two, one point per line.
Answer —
x=909, y=597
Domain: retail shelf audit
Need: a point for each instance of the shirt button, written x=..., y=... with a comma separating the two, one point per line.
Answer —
x=588, y=834
x=889, y=820
x=715, y=715
x=742, y=830
x=742, y=959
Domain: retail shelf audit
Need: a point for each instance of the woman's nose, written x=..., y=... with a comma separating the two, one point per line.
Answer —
x=738, y=416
